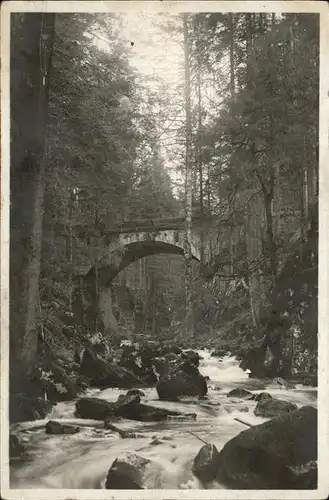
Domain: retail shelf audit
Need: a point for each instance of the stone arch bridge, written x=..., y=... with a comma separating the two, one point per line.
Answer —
x=133, y=240
x=124, y=244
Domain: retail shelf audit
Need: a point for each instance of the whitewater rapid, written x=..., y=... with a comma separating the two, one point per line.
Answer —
x=82, y=460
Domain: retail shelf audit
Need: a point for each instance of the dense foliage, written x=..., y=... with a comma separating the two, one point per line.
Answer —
x=252, y=136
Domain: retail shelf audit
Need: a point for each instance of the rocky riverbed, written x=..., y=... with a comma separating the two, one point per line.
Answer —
x=90, y=454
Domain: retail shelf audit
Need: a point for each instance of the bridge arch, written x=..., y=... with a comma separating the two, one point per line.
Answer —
x=127, y=248
x=124, y=249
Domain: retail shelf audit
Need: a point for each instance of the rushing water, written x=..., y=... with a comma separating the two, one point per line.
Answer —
x=82, y=460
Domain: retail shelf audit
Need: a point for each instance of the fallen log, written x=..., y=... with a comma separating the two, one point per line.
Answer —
x=243, y=422
x=200, y=439
x=112, y=427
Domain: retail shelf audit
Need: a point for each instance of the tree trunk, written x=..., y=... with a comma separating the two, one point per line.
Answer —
x=97, y=312
x=82, y=301
x=154, y=305
x=232, y=70
x=200, y=166
x=31, y=51
x=106, y=312
x=189, y=323
x=69, y=248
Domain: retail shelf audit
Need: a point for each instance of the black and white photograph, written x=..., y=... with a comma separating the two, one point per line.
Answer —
x=164, y=190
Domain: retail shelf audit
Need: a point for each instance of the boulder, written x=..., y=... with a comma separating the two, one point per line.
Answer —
x=192, y=356
x=102, y=373
x=125, y=407
x=166, y=363
x=145, y=413
x=219, y=353
x=97, y=369
x=182, y=380
x=16, y=448
x=128, y=400
x=239, y=393
x=132, y=392
x=283, y=383
x=206, y=463
x=273, y=455
x=94, y=408
x=53, y=427
x=127, y=472
x=311, y=380
x=272, y=407
x=260, y=395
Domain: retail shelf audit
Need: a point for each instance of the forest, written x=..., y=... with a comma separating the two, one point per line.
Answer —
x=230, y=146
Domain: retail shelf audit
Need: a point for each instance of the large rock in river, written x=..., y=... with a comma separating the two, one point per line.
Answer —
x=239, y=392
x=192, y=356
x=94, y=408
x=16, y=448
x=53, y=427
x=272, y=407
x=278, y=454
x=206, y=463
x=182, y=380
x=127, y=473
x=125, y=407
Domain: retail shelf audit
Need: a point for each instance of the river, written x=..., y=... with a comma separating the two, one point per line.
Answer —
x=82, y=460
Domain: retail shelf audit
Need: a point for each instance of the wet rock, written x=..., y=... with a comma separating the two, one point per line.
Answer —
x=16, y=448
x=219, y=353
x=156, y=442
x=132, y=392
x=239, y=393
x=192, y=356
x=127, y=472
x=273, y=455
x=231, y=408
x=283, y=383
x=206, y=463
x=182, y=380
x=310, y=380
x=145, y=413
x=183, y=416
x=272, y=407
x=108, y=424
x=97, y=369
x=260, y=396
x=128, y=400
x=53, y=427
x=305, y=476
x=94, y=408
x=125, y=407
